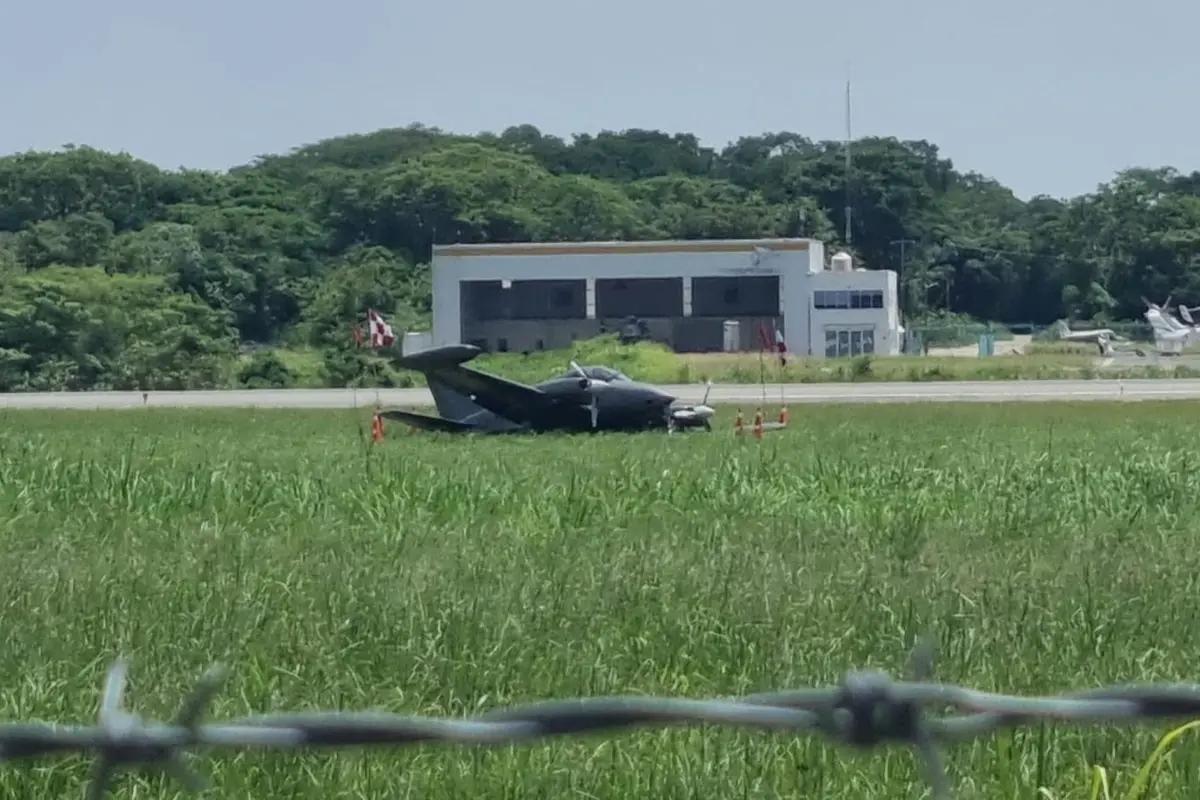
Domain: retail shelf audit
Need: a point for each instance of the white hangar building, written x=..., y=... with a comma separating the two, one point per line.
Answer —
x=526, y=297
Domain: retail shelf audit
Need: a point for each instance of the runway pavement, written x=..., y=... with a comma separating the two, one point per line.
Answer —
x=949, y=391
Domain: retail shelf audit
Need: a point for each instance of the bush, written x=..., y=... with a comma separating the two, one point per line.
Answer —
x=265, y=370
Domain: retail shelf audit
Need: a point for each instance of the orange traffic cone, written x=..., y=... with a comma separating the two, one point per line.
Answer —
x=739, y=424
x=376, y=427
x=758, y=424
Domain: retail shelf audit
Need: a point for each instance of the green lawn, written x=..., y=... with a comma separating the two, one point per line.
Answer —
x=657, y=364
x=1043, y=547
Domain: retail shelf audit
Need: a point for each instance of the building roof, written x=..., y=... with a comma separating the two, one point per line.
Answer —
x=620, y=248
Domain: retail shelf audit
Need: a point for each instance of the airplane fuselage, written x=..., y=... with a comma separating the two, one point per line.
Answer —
x=581, y=401
x=619, y=406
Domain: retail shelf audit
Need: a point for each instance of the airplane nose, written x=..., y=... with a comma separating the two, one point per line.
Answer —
x=656, y=395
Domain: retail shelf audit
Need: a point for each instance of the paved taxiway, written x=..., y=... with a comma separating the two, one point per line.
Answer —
x=956, y=391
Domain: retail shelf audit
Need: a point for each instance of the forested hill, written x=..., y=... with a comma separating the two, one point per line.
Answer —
x=115, y=273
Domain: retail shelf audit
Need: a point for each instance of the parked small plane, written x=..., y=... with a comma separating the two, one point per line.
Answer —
x=1170, y=335
x=582, y=400
x=1101, y=337
x=1186, y=314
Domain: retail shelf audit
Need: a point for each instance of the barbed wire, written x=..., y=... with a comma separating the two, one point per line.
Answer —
x=868, y=709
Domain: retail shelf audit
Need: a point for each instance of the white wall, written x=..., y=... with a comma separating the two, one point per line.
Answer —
x=884, y=323
x=416, y=341
x=791, y=259
x=799, y=263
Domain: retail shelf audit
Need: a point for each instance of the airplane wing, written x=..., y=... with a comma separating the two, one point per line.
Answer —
x=426, y=423
x=512, y=400
x=443, y=369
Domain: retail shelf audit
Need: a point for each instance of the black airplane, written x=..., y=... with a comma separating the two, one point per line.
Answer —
x=582, y=400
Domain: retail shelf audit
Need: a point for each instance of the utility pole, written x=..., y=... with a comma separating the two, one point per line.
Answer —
x=903, y=249
x=905, y=283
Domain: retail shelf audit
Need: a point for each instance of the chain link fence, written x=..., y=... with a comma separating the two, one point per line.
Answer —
x=921, y=339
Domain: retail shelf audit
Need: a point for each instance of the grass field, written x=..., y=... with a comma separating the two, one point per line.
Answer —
x=1043, y=547
x=657, y=364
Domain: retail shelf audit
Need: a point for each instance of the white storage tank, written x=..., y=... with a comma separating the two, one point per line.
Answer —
x=841, y=262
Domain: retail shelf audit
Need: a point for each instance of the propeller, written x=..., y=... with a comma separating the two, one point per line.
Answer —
x=702, y=411
x=586, y=383
x=1155, y=307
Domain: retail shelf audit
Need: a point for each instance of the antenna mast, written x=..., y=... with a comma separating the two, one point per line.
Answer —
x=848, y=234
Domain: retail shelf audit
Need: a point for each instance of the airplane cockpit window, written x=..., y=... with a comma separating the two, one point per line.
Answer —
x=606, y=374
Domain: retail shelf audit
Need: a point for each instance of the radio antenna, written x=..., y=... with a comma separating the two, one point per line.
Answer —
x=848, y=234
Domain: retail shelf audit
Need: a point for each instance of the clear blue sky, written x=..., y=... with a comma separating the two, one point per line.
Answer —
x=1048, y=96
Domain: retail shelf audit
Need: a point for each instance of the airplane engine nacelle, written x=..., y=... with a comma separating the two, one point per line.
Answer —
x=572, y=390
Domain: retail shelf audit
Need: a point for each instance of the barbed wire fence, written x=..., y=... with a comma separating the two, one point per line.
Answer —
x=867, y=710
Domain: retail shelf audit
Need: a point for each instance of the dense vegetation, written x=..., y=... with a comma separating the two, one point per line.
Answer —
x=1045, y=547
x=115, y=273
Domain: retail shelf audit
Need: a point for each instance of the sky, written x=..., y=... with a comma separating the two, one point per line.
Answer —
x=1047, y=96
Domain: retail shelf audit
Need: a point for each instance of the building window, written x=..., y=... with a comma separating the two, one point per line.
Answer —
x=502, y=345
x=732, y=296
x=849, y=342
x=849, y=299
x=563, y=298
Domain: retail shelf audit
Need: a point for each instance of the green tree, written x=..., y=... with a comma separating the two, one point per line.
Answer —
x=116, y=273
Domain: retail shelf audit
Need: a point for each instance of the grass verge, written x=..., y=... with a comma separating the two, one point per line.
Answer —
x=657, y=364
x=1044, y=547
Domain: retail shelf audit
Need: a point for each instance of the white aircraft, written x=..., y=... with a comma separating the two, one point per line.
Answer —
x=1101, y=337
x=1170, y=335
x=1186, y=313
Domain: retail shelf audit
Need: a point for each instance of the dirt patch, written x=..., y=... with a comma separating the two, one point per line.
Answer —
x=1010, y=347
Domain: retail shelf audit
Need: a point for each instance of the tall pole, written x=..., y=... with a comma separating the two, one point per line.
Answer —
x=848, y=234
x=905, y=283
x=903, y=250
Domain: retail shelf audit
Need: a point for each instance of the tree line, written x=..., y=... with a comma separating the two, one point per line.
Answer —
x=115, y=273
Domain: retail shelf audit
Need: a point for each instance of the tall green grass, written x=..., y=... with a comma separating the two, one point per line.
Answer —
x=1043, y=547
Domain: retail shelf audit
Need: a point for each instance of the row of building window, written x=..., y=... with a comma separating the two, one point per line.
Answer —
x=849, y=342
x=839, y=342
x=854, y=298
x=564, y=298
x=865, y=298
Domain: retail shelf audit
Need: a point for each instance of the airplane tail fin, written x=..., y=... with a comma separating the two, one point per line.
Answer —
x=451, y=405
x=435, y=358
